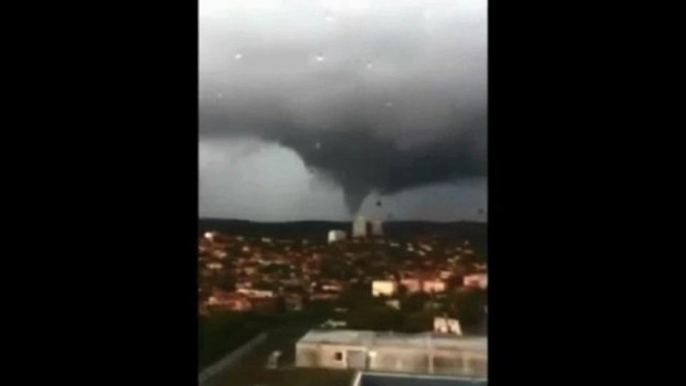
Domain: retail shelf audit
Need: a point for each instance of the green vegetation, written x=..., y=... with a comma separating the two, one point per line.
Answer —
x=467, y=306
x=415, y=302
x=377, y=319
x=418, y=322
x=337, y=269
x=417, y=310
x=222, y=332
x=224, y=282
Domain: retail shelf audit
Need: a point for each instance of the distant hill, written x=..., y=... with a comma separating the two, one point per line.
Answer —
x=475, y=232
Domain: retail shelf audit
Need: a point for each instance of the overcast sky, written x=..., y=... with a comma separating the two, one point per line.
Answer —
x=315, y=109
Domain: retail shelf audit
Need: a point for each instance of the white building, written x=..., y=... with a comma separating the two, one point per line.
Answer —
x=447, y=326
x=425, y=353
x=334, y=324
x=360, y=227
x=377, y=228
x=426, y=247
x=332, y=287
x=256, y=293
x=433, y=286
x=384, y=288
x=336, y=235
x=477, y=280
x=393, y=303
x=215, y=266
x=411, y=284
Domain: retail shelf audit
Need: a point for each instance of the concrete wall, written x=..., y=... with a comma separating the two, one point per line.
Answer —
x=476, y=364
x=328, y=355
x=448, y=363
x=419, y=360
x=400, y=359
x=306, y=355
x=314, y=355
x=466, y=363
x=440, y=361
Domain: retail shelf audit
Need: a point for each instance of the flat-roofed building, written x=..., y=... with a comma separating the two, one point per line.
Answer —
x=337, y=349
x=384, y=288
x=256, y=293
x=433, y=286
x=411, y=284
x=477, y=280
x=336, y=235
x=426, y=353
x=447, y=326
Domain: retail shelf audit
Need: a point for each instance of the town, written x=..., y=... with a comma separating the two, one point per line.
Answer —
x=414, y=282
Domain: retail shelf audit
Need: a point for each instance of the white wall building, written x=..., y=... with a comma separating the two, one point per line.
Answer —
x=384, y=288
x=336, y=235
x=447, y=326
x=256, y=293
x=425, y=353
x=215, y=266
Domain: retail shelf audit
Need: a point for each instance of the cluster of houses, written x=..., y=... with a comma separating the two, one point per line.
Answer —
x=244, y=274
x=430, y=284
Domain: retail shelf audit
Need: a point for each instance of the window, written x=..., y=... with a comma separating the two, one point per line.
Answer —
x=338, y=356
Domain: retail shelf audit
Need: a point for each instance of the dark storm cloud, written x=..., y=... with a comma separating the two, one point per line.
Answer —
x=383, y=97
x=362, y=162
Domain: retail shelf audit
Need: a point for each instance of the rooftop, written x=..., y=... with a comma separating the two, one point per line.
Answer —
x=351, y=337
x=371, y=338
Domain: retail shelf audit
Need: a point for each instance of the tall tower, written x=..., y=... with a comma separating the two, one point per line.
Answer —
x=360, y=226
x=377, y=221
x=377, y=228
